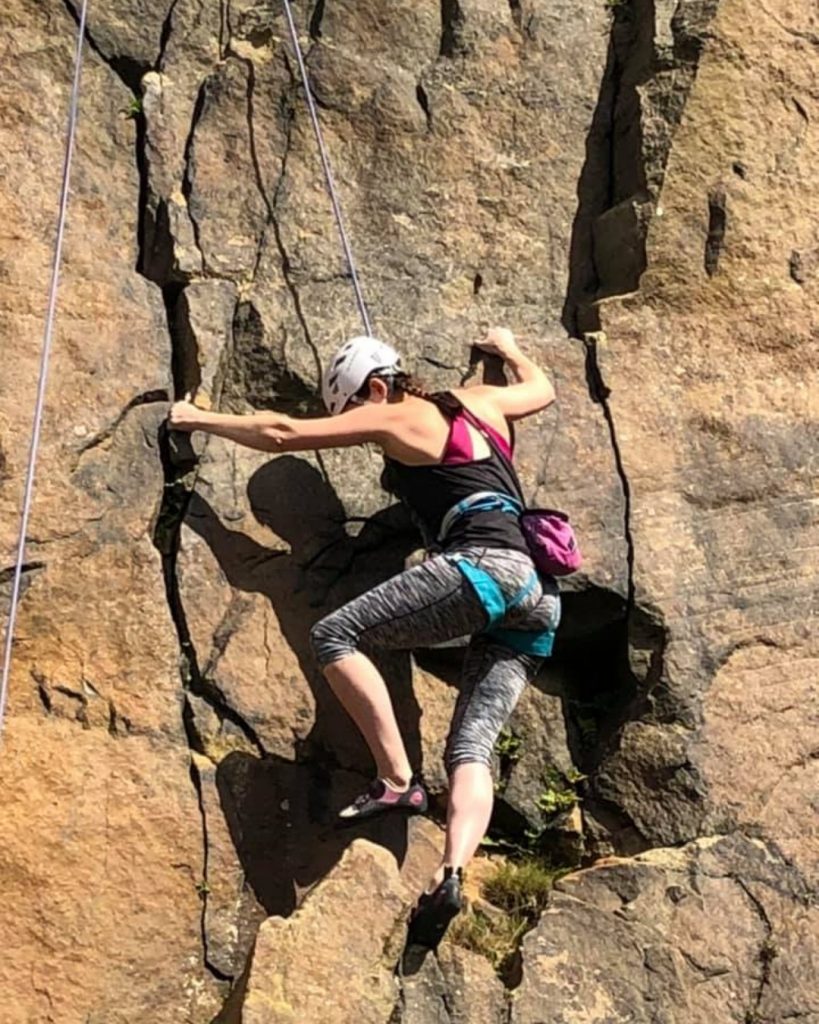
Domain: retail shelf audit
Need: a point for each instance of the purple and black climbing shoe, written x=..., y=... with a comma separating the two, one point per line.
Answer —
x=435, y=910
x=380, y=798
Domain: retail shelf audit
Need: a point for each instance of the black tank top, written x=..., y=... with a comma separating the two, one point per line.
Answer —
x=430, y=492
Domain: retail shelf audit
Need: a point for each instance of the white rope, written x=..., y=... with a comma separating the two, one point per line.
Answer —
x=328, y=172
x=44, y=358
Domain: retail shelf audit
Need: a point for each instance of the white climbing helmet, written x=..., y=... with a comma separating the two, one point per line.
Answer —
x=351, y=366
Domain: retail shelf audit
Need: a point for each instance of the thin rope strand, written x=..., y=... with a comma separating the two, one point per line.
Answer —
x=328, y=172
x=44, y=358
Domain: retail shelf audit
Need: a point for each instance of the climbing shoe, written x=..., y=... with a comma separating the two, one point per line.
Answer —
x=435, y=910
x=380, y=797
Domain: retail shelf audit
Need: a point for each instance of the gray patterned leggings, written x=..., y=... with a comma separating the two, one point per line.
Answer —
x=432, y=603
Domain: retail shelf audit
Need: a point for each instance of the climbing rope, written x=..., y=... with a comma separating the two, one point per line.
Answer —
x=328, y=172
x=46, y=352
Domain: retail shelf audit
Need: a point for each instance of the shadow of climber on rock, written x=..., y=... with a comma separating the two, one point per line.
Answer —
x=280, y=813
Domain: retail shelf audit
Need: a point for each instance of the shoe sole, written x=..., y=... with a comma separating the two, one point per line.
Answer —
x=408, y=812
x=430, y=926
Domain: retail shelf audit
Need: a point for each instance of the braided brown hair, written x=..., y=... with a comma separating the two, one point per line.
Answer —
x=409, y=385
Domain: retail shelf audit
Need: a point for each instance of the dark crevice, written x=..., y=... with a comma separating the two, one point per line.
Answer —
x=183, y=345
x=316, y=18
x=796, y=267
x=118, y=725
x=517, y=13
x=599, y=393
x=165, y=34
x=477, y=284
x=42, y=693
x=423, y=103
x=128, y=70
x=623, y=172
x=224, y=28
x=452, y=23
x=717, y=219
x=202, y=884
x=7, y=575
x=767, y=950
x=187, y=177
x=130, y=73
x=175, y=502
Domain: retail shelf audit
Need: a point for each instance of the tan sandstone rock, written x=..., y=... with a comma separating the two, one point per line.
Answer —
x=328, y=961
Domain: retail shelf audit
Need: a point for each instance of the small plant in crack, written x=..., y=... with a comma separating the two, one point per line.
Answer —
x=509, y=747
x=559, y=793
x=202, y=889
x=134, y=110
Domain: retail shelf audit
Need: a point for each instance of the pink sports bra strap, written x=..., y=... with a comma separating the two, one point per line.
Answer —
x=459, y=447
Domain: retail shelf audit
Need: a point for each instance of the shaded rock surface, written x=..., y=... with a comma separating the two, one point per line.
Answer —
x=637, y=175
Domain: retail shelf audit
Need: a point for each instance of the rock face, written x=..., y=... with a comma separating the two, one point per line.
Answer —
x=720, y=345
x=629, y=186
x=721, y=929
x=361, y=982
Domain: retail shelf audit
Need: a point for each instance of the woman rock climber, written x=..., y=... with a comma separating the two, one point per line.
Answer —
x=447, y=457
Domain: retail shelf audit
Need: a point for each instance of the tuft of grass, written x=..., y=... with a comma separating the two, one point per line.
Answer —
x=496, y=939
x=520, y=891
x=522, y=888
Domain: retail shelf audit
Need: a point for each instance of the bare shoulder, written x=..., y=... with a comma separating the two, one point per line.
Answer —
x=482, y=399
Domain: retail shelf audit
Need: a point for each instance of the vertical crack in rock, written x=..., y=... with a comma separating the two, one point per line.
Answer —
x=452, y=23
x=649, y=73
x=165, y=35
x=423, y=103
x=155, y=263
x=517, y=13
x=599, y=393
x=187, y=175
x=316, y=18
x=203, y=882
x=767, y=950
x=717, y=222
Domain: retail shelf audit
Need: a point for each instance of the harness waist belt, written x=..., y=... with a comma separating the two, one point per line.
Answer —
x=481, y=501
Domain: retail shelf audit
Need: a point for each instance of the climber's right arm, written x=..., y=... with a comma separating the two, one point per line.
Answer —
x=275, y=432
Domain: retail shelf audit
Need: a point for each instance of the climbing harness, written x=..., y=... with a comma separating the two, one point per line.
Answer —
x=44, y=358
x=328, y=172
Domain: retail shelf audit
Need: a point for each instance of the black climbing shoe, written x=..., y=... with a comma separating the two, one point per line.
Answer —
x=381, y=798
x=435, y=910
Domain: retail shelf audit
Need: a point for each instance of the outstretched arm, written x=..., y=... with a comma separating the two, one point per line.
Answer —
x=275, y=432
x=531, y=390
